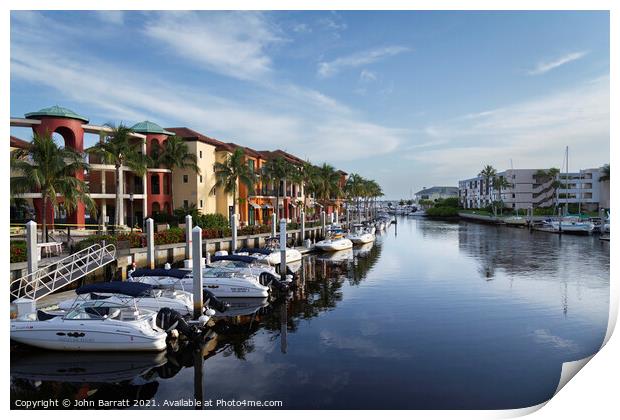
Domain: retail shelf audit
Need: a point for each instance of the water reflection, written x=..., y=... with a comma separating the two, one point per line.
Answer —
x=444, y=315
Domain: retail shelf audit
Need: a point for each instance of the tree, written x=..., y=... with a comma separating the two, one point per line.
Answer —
x=309, y=180
x=354, y=189
x=605, y=174
x=231, y=172
x=328, y=184
x=501, y=183
x=50, y=169
x=117, y=149
x=175, y=155
x=488, y=173
x=278, y=170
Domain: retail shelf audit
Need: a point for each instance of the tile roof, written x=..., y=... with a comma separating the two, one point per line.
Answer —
x=19, y=143
x=56, y=111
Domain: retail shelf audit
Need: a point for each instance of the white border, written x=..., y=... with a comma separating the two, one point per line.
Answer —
x=594, y=394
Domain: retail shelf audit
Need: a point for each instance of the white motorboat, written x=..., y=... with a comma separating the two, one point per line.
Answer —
x=244, y=264
x=91, y=326
x=151, y=298
x=271, y=252
x=572, y=224
x=361, y=235
x=220, y=282
x=335, y=241
x=515, y=220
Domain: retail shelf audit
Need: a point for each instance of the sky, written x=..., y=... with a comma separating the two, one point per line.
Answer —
x=410, y=99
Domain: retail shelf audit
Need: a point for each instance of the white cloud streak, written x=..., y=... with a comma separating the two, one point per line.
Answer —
x=545, y=66
x=330, y=68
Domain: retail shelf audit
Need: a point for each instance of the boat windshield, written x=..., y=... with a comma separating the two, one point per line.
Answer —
x=95, y=310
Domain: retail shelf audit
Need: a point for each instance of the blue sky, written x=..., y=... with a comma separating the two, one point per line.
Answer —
x=411, y=99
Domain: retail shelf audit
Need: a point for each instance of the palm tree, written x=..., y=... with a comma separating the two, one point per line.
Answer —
x=231, y=172
x=355, y=190
x=488, y=173
x=605, y=175
x=328, y=184
x=278, y=170
x=50, y=169
x=117, y=149
x=175, y=155
x=500, y=183
x=308, y=178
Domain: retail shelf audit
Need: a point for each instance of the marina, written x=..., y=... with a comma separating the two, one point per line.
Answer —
x=384, y=325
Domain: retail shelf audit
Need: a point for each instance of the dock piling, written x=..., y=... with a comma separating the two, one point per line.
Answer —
x=274, y=222
x=150, y=244
x=31, y=246
x=336, y=217
x=303, y=226
x=323, y=222
x=233, y=244
x=188, y=237
x=283, y=249
x=197, y=270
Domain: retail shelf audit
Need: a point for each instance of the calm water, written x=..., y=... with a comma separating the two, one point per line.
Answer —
x=433, y=316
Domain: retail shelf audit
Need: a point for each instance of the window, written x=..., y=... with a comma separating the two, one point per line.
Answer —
x=200, y=154
x=251, y=165
x=201, y=183
x=155, y=184
x=185, y=179
x=185, y=204
x=201, y=204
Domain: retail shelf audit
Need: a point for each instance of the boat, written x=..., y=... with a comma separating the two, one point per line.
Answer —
x=241, y=306
x=515, y=220
x=271, y=252
x=220, y=282
x=91, y=326
x=335, y=241
x=361, y=235
x=151, y=298
x=245, y=264
x=571, y=224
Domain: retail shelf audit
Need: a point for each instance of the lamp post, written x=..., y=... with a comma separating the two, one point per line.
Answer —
x=131, y=210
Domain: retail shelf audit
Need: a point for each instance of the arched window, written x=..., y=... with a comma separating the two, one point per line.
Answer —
x=167, y=208
x=155, y=209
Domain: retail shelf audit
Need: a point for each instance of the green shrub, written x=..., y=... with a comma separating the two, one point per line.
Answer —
x=442, y=212
x=211, y=221
x=447, y=202
x=171, y=236
x=18, y=251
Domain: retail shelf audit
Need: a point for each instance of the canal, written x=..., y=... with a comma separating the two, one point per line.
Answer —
x=434, y=315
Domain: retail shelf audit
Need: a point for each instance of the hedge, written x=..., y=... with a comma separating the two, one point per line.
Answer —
x=18, y=251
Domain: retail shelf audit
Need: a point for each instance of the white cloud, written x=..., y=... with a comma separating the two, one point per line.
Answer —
x=233, y=44
x=532, y=133
x=367, y=76
x=331, y=68
x=545, y=66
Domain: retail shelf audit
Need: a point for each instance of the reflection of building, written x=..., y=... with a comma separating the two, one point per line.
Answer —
x=437, y=193
x=160, y=190
x=529, y=189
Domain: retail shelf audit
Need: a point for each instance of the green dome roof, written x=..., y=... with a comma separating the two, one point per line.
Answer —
x=148, y=127
x=56, y=111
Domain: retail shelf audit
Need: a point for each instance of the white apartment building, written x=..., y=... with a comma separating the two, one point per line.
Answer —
x=530, y=190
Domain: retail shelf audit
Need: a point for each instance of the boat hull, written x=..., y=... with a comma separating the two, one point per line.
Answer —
x=334, y=245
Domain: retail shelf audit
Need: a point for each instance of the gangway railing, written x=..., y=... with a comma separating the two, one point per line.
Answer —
x=62, y=272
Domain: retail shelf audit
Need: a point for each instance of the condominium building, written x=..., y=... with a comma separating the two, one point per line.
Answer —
x=160, y=189
x=530, y=188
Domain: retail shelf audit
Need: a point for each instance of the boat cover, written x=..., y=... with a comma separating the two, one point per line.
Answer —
x=161, y=272
x=243, y=258
x=117, y=287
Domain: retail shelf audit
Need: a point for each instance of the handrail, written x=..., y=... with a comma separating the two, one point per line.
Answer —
x=62, y=272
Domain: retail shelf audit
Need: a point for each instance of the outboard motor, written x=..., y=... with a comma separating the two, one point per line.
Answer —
x=213, y=302
x=268, y=279
x=168, y=319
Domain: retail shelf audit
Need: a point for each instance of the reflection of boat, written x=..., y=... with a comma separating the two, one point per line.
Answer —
x=335, y=241
x=337, y=256
x=241, y=306
x=93, y=326
x=363, y=250
x=84, y=367
x=271, y=252
x=149, y=297
x=220, y=282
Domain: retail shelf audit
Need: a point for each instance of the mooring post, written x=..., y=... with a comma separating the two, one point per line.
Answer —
x=348, y=218
x=31, y=246
x=274, y=222
x=336, y=217
x=233, y=243
x=150, y=244
x=197, y=270
x=283, y=249
x=303, y=226
x=188, y=237
x=323, y=223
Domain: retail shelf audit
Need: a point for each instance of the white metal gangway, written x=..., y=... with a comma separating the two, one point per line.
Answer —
x=63, y=272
